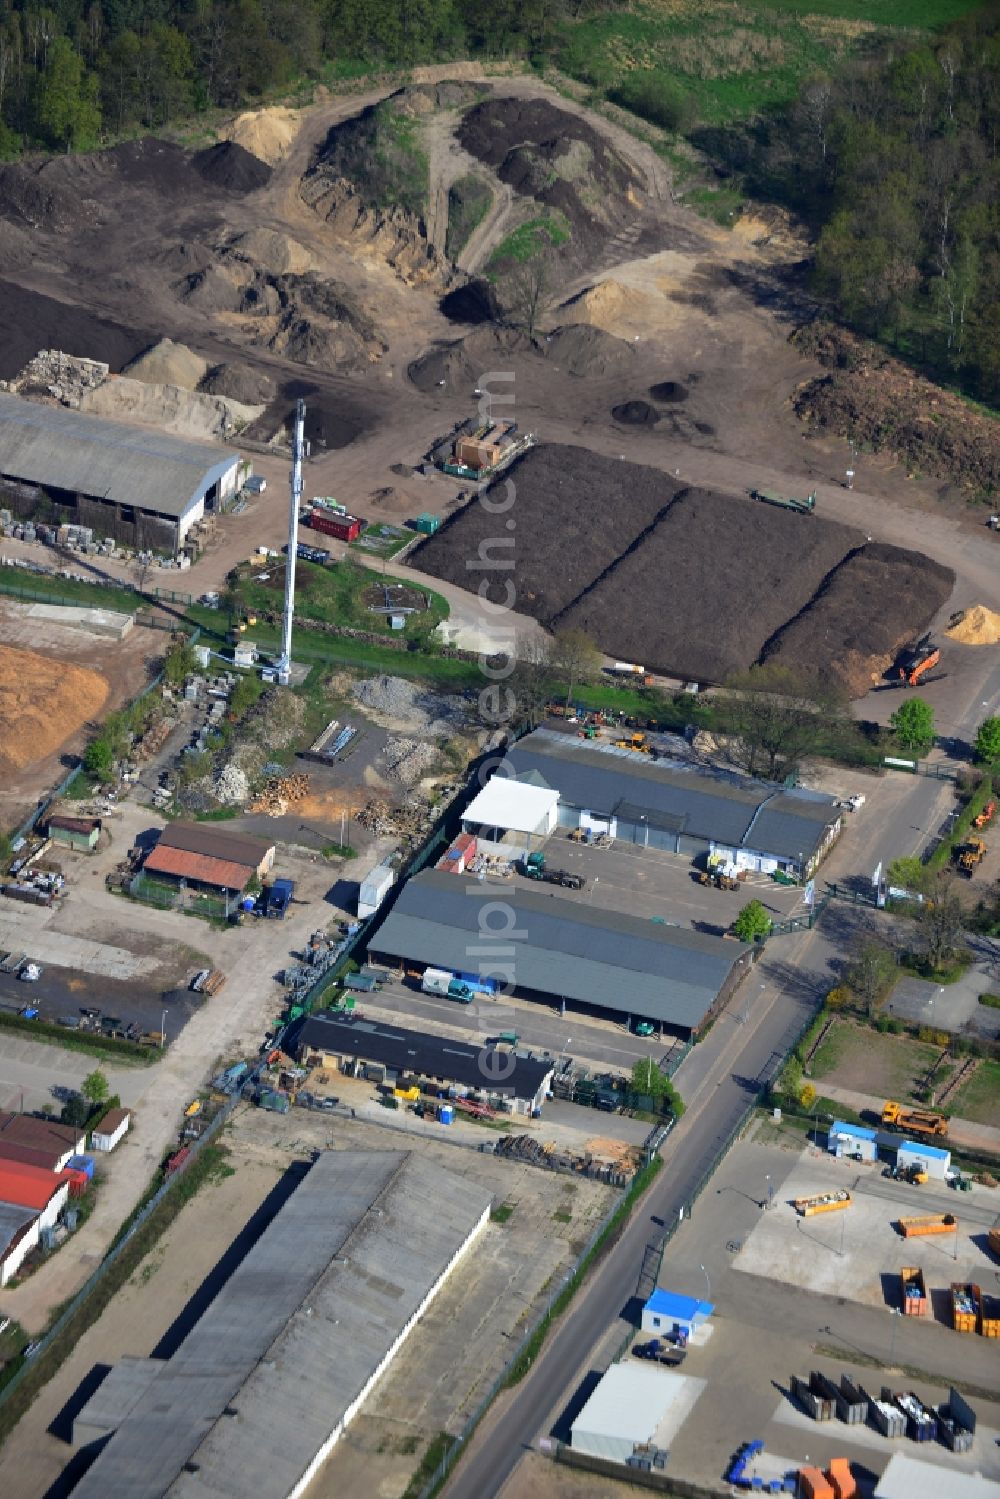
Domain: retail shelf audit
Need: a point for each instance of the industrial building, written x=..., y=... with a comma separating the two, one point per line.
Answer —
x=548, y=947
x=388, y=1053
x=19, y=1235
x=207, y=855
x=39, y=1142
x=144, y=489
x=44, y=1192
x=512, y=812
x=908, y=1477
x=266, y=1382
x=633, y=1414
x=677, y=806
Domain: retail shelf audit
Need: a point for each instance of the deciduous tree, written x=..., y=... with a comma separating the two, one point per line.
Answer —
x=753, y=923
x=913, y=726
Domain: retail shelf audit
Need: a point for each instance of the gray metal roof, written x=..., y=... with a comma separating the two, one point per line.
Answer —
x=293, y=1338
x=419, y=1054
x=12, y=1220
x=907, y=1477
x=72, y=450
x=563, y=947
x=706, y=802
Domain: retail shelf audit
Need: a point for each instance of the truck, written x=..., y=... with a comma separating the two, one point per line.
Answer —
x=534, y=868
x=626, y=669
x=933, y=1223
x=278, y=896
x=802, y=506
x=914, y=1291
x=825, y=1202
x=987, y=1313
x=913, y=1121
x=963, y=1307
x=441, y=981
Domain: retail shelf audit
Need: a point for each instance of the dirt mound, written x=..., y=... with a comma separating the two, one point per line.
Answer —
x=184, y=412
x=636, y=414
x=229, y=166
x=977, y=626
x=42, y=704
x=618, y=308
x=663, y=601
x=581, y=349
x=32, y=321
x=394, y=234
x=266, y=133
x=167, y=363
x=211, y=290
x=669, y=390
x=320, y=323
x=545, y=153
x=39, y=200
x=331, y=421
x=867, y=609
x=572, y=504
x=184, y=258
x=274, y=251
x=461, y=364
x=880, y=402
x=240, y=382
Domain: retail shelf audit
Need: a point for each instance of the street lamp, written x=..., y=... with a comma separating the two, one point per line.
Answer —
x=708, y=1283
x=770, y=1191
x=894, y=1312
x=163, y=1029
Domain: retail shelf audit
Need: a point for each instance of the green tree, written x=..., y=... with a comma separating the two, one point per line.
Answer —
x=987, y=747
x=908, y=874
x=753, y=923
x=98, y=760
x=913, y=726
x=95, y=1087
x=773, y=718
x=179, y=663
x=574, y=659
x=66, y=114
x=647, y=1078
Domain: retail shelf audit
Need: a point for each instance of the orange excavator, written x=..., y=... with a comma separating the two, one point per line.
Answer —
x=917, y=660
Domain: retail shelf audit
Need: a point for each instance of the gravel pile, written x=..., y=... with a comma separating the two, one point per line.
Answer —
x=403, y=704
x=231, y=786
x=406, y=760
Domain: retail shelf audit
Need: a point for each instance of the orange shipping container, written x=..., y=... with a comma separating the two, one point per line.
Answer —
x=813, y=1484
x=842, y=1479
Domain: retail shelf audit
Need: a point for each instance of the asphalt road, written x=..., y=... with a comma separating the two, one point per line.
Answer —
x=742, y=1057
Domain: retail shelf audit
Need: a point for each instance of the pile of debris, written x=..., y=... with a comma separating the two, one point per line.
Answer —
x=231, y=786
x=64, y=377
x=276, y=797
x=406, y=760
x=527, y=1148
x=384, y=820
x=399, y=704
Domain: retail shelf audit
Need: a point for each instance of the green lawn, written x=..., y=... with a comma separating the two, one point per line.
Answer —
x=852, y=1056
x=735, y=61
x=979, y=1099
x=40, y=587
x=337, y=594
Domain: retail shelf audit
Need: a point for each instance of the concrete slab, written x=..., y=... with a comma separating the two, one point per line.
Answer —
x=95, y=621
x=953, y=1008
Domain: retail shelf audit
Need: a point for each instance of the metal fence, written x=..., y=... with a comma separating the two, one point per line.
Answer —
x=66, y=1316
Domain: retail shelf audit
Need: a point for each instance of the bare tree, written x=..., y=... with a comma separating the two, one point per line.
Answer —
x=941, y=924
x=526, y=295
x=575, y=660
x=774, y=718
x=872, y=969
x=530, y=683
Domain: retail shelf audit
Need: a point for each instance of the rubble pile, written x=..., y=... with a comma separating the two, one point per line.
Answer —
x=406, y=760
x=276, y=797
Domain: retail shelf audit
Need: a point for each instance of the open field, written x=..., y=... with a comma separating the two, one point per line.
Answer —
x=647, y=566
x=855, y=1056
x=979, y=1098
x=344, y=594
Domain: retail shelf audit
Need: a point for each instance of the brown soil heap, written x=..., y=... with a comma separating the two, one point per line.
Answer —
x=977, y=626
x=43, y=703
x=880, y=402
x=690, y=582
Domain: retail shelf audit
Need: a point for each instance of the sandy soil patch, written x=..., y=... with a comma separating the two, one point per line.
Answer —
x=977, y=626
x=42, y=704
x=266, y=133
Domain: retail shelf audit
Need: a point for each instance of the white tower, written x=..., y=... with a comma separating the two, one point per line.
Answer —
x=295, y=502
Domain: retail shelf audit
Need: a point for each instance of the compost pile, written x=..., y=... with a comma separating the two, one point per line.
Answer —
x=545, y=153
x=882, y=404
x=229, y=166
x=693, y=583
x=43, y=703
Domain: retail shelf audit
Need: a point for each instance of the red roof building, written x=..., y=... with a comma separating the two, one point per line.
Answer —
x=39, y=1142
x=30, y=1187
x=209, y=855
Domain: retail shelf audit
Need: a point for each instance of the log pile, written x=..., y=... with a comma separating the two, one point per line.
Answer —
x=279, y=793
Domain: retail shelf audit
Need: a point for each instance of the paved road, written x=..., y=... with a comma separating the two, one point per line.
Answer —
x=741, y=1056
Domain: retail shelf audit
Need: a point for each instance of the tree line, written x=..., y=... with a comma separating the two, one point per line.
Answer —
x=78, y=71
x=895, y=161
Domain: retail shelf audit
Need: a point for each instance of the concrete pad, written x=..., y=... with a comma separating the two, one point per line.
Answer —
x=108, y=622
x=18, y=929
x=982, y=1457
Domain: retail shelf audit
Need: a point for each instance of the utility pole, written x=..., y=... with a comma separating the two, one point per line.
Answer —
x=295, y=501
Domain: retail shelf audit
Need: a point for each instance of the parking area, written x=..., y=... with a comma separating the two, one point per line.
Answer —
x=642, y=881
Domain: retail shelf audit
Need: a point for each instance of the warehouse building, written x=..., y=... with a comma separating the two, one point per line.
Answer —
x=204, y=855
x=679, y=807
x=39, y=1142
x=633, y=1415
x=548, y=947
x=144, y=489
x=266, y=1382
x=19, y=1235
x=512, y=813
x=908, y=1477
x=388, y=1053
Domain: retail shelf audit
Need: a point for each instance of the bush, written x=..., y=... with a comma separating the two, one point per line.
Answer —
x=807, y=1096
x=656, y=98
x=992, y=1001
x=839, y=998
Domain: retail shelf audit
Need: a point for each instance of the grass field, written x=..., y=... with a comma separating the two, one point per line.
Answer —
x=734, y=61
x=337, y=595
x=979, y=1099
x=852, y=1056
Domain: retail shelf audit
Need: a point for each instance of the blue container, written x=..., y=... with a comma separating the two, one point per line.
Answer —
x=84, y=1163
x=446, y=1114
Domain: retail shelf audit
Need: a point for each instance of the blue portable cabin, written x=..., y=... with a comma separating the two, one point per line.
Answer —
x=675, y=1316
x=852, y=1140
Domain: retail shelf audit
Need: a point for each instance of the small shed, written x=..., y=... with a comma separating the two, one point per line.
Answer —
x=930, y=1158
x=256, y=484
x=669, y=1315
x=374, y=888
x=245, y=653
x=80, y=833
x=852, y=1140
x=111, y=1130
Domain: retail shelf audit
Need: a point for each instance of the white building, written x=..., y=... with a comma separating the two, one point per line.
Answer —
x=626, y=1411
x=374, y=888
x=112, y=1129
x=930, y=1158
x=19, y=1233
x=512, y=813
